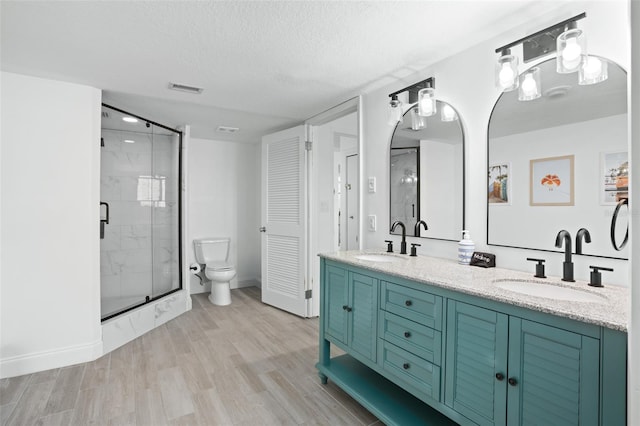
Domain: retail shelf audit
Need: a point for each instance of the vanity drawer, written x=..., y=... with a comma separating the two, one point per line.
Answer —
x=416, y=338
x=421, y=375
x=419, y=306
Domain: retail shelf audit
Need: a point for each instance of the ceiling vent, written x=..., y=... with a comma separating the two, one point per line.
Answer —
x=105, y=114
x=185, y=88
x=227, y=129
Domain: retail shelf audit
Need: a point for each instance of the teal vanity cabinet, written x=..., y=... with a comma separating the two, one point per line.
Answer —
x=503, y=369
x=351, y=312
x=424, y=354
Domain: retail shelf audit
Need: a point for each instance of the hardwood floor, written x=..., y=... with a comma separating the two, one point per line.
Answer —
x=243, y=364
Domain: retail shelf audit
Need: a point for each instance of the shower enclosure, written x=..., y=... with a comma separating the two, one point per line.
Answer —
x=139, y=211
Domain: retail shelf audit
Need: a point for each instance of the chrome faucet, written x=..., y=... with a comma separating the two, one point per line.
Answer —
x=567, y=265
x=403, y=244
x=583, y=233
x=416, y=229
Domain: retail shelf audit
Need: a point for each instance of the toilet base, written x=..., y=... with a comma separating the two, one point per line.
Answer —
x=220, y=294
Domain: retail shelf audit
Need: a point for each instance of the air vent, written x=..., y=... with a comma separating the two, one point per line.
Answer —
x=185, y=88
x=105, y=114
x=227, y=129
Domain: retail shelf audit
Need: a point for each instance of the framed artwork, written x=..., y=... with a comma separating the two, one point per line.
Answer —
x=614, y=177
x=551, y=181
x=499, y=191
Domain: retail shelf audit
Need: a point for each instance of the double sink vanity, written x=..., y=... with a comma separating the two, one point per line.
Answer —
x=429, y=341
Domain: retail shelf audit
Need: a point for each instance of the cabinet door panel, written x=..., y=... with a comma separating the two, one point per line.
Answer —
x=476, y=352
x=337, y=296
x=363, y=321
x=557, y=375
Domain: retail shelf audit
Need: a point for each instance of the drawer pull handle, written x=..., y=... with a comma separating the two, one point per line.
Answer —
x=408, y=303
x=407, y=334
x=512, y=381
x=405, y=365
x=500, y=376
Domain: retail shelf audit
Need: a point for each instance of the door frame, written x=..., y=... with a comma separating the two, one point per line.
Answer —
x=345, y=108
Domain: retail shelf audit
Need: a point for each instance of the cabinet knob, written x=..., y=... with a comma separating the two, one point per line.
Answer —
x=408, y=302
x=407, y=334
x=405, y=365
x=344, y=307
x=500, y=376
x=512, y=381
x=349, y=309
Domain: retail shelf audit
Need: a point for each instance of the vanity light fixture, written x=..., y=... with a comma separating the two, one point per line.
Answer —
x=593, y=70
x=564, y=38
x=427, y=102
x=395, y=111
x=422, y=92
x=571, y=49
x=448, y=113
x=418, y=122
x=530, y=85
x=507, y=71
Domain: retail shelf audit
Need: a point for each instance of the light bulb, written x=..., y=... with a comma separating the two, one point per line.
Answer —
x=448, y=113
x=529, y=86
x=506, y=75
x=571, y=53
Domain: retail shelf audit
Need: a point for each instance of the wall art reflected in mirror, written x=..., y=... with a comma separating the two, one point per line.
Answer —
x=427, y=174
x=559, y=162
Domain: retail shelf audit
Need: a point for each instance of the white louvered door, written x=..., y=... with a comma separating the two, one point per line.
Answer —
x=284, y=221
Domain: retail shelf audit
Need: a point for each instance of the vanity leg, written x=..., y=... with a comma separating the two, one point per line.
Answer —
x=323, y=378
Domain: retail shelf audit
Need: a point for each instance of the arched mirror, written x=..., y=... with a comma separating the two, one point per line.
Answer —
x=427, y=174
x=559, y=162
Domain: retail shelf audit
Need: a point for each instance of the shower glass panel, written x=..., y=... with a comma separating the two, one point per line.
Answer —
x=140, y=211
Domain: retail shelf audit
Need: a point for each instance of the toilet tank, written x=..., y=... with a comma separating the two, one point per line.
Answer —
x=211, y=249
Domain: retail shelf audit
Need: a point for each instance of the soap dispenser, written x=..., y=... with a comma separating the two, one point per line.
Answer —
x=466, y=247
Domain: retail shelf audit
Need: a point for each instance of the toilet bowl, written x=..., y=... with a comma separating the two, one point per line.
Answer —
x=214, y=253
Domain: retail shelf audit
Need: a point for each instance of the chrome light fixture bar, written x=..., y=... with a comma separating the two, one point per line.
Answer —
x=422, y=90
x=569, y=43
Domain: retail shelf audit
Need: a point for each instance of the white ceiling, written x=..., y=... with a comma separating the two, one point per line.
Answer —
x=264, y=65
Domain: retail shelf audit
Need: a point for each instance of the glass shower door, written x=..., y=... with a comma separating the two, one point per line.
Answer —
x=139, y=251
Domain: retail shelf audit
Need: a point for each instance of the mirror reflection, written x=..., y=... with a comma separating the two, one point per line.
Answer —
x=559, y=162
x=427, y=174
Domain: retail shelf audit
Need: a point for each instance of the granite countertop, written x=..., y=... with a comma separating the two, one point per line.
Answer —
x=609, y=307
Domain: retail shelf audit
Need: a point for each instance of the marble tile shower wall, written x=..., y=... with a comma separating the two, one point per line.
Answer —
x=139, y=252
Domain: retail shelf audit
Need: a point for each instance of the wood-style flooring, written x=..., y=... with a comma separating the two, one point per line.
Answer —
x=243, y=364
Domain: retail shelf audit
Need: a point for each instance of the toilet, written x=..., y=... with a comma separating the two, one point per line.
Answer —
x=214, y=253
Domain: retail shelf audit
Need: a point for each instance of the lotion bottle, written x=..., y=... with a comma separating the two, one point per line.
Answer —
x=466, y=247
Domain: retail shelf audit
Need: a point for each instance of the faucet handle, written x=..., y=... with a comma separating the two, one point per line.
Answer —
x=596, y=276
x=539, y=267
x=389, y=246
x=413, y=249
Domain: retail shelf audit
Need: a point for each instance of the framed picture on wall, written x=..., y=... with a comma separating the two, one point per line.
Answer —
x=499, y=191
x=551, y=181
x=614, y=177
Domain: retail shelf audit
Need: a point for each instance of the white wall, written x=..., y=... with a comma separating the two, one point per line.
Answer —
x=224, y=201
x=465, y=80
x=50, y=288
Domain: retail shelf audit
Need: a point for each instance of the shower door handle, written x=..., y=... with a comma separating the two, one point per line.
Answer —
x=104, y=221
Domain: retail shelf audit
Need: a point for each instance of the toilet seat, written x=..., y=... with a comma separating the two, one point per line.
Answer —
x=220, y=266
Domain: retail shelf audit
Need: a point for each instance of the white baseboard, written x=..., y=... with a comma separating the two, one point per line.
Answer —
x=47, y=360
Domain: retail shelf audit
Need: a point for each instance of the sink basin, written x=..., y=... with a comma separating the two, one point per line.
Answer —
x=549, y=291
x=377, y=257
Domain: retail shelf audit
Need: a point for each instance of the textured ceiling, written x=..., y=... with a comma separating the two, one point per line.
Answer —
x=264, y=65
